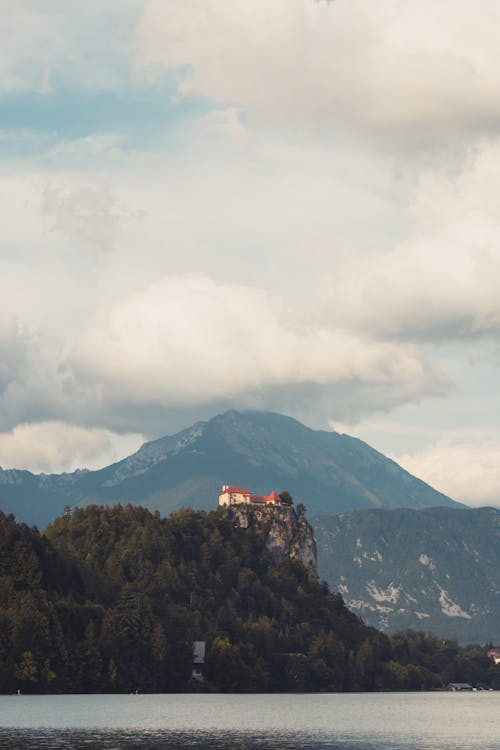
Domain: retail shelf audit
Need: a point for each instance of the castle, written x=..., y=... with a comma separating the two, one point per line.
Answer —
x=237, y=495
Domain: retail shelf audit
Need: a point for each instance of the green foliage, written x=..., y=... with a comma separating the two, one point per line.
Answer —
x=441, y=661
x=111, y=599
x=286, y=498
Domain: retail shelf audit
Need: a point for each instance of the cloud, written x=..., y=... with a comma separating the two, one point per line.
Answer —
x=24, y=35
x=466, y=470
x=86, y=149
x=420, y=72
x=258, y=251
x=15, y=343
x=32, y=381
x=187, y=340
x=227, y=123
x=443, y=281
x=89, y=213
x=187, y=347
x=54, y=446
x=44, y=45
x=271, y=218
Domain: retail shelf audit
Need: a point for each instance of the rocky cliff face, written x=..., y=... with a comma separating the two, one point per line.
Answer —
x=288, y=534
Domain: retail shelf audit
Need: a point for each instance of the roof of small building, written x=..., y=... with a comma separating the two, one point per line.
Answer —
x=258, y=499
x=459, y=686
x=273, y=498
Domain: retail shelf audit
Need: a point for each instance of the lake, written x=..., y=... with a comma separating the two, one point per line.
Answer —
x=368, y=721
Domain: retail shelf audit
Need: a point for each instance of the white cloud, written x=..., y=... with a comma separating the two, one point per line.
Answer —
x=86, y=149
x=15, y=342
x=45, y=43
x=246, y=264
x=186, y=347
x=88, y=213
x=227, y=123
x=24, y=34
x=466, y=470
x=54, y=446
x=421, y=70
x=32, y=380
x=443, y=281
x=187, y=340
x=272, y=215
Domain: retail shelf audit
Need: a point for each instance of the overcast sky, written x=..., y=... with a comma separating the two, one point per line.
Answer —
x=290, y=205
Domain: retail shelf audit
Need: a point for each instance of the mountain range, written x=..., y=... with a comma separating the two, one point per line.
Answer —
x=327, y=471
x=402, y=554
x=436, y=569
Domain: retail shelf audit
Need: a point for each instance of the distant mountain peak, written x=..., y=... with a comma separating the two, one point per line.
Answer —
x=154, y=452
x=327, y=471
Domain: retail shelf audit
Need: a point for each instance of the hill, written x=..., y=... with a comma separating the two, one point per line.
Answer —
x=327, y=471
x=112, y=599
x=436, y=569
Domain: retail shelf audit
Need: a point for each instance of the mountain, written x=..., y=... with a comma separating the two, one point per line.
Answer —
x=436, y=569
x=327, y=471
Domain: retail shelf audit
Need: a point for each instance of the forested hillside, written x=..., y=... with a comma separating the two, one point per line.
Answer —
x=110, y=599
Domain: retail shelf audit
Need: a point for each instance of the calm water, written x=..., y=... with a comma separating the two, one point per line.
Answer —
x=401, y=721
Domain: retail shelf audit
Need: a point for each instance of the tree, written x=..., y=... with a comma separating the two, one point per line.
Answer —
x=301, y=509
x=113, y=600
x=27, y=670
x=286, y=498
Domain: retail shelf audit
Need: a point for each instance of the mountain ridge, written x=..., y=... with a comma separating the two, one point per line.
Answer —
x=327, y=471
x=433, y=569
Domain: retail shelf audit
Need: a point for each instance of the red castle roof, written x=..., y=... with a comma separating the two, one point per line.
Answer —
x=273, y=498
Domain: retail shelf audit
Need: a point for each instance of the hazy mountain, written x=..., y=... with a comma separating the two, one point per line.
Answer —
x=436, y=569
x=327, y=471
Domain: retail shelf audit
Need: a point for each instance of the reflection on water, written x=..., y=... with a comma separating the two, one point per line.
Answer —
x=11, y=739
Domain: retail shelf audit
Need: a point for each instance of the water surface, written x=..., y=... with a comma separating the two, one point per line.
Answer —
x=375, y=721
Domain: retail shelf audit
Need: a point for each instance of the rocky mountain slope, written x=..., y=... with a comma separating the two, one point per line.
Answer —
x=287, y=533
x=327, y=471
x=435, y=569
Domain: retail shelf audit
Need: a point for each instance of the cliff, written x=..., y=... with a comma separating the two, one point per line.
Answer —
x=288, y=534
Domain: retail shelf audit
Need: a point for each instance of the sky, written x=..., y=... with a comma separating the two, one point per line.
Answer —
x=290, y=205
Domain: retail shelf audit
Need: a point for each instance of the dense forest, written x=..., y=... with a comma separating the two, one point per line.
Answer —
x=111, y=600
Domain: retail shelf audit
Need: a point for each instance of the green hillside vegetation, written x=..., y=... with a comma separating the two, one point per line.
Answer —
x=111, y=599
